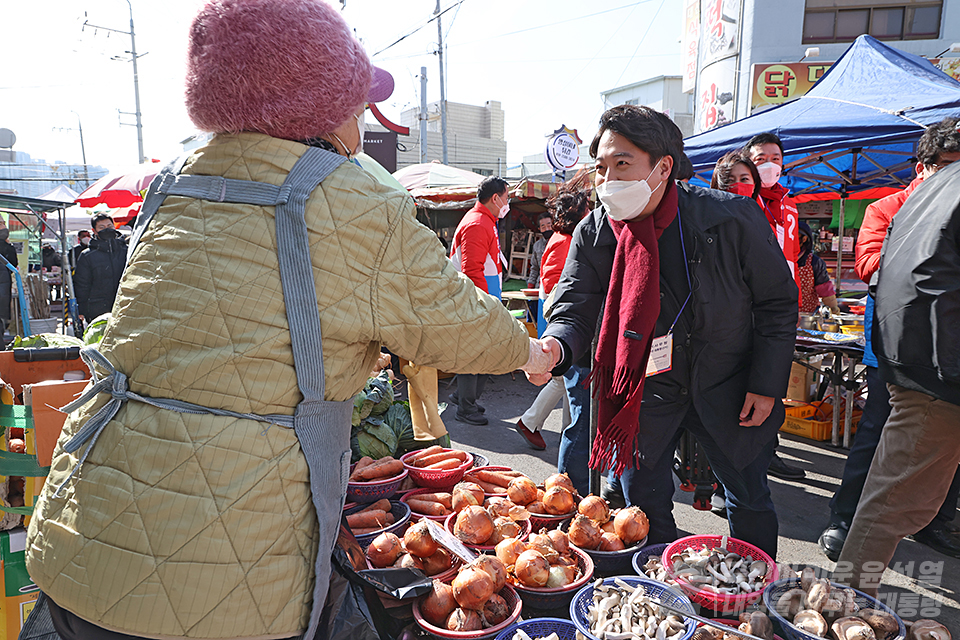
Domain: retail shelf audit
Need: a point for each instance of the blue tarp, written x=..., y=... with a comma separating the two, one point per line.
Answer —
x=856, y=129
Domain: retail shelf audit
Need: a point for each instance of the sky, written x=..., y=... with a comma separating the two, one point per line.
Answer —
x=546, y=61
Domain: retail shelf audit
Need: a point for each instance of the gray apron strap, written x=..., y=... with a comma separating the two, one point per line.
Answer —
x=322, y=427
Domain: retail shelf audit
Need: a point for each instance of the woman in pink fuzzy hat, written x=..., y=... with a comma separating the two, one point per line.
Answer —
x=202, y=496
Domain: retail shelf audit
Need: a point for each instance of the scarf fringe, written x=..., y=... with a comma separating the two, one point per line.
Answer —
x=617, y=438
x=616, y=382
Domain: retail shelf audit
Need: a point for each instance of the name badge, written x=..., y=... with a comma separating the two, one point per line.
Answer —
x=661, y=355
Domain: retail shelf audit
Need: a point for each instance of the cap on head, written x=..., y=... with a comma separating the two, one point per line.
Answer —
x=288, y=68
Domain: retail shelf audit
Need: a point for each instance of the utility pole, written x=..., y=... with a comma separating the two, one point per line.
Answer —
x=443, y=90
x=136, y=78
x=83, y=151
x=423, y=115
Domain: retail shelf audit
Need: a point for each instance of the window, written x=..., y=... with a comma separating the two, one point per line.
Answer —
x=844, y=20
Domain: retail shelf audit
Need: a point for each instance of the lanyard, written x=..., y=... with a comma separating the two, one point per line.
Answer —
x=686, y=265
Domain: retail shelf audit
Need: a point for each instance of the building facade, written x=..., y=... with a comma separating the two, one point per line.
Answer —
x=663, y=93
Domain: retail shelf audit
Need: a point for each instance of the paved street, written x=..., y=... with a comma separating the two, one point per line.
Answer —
x=802, y=506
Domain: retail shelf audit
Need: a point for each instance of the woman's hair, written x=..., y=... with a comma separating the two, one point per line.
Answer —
x=722, y=173
x=571, y=203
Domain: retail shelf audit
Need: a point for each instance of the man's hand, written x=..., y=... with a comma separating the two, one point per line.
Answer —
x=544, y=356
x=755, y=410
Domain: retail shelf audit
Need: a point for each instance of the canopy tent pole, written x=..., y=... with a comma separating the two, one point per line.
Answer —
x=840, y=223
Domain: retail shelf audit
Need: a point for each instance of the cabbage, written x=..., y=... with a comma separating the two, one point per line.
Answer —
x=376, y=440
x=40, y=340
x=398, y=418
x=375, y=399
x=93, y=334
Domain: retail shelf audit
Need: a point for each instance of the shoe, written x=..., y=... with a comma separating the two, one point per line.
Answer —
x=718, y=504
x=832, y=539
x=455, y=399
x=472, y=418
x=614, y=496
x=780, y=469
x=939, y=538
x=533, y=437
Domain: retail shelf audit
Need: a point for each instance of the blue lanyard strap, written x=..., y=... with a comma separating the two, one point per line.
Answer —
x=686, y=266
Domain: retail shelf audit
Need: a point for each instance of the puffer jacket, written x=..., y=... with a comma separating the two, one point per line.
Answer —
x=738, y=336
x=916, y=335
x=873, y=229
x=201, y=526
x=475, y=250
x=97, y=277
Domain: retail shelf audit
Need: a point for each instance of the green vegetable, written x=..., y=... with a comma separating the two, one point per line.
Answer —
x=398, y=418
x=375, y=399
x=376, y=441
x=40, y=340
x=93, y=334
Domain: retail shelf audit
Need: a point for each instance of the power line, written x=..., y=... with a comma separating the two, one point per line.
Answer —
x=644, y=37
x=429, y=20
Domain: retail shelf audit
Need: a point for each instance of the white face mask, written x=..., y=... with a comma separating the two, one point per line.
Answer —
x=359, y=148
x=625, y=199
x=503, y=211
x=769, y=173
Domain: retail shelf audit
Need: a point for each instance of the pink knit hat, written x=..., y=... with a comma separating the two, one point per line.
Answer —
x=288, y=68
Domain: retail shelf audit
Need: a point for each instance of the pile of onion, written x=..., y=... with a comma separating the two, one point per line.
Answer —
x=472, y=601
x=596, y=528
x=417, y=550
x=543, y=562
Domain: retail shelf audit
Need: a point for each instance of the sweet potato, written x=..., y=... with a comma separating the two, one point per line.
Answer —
x=382, y=468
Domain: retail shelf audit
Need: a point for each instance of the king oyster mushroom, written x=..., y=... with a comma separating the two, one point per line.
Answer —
x=852, y=628
x=881, y=622
x=812, y=622
x=756, y=623
x=790, y=603
x=807, y=577
x=928, y=630
x=817, y=595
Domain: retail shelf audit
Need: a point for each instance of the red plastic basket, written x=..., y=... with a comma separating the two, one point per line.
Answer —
x=414, y=516
x=452, y=518
x=439, y=478
x=558, y=597
x=514, y=603
x=724, y=622
x=723, y=603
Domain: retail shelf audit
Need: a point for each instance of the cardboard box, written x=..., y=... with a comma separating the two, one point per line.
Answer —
x=19, y=591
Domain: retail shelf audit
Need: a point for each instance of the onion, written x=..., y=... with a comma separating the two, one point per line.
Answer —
x=440, y=561
x=507, y=528
x=595, y=508
x=558, y=578
x=503, y=508
x=532, y=569
x=610, y=542
x=409, y=561
x=418, y=541
x=438, y=604
x=384, y=550
x=495, y=568
x=559, y=480
x=464, y=620
x=631, y=525
x=558, y=501
x=608, y=527
x=472, y=587
x=495, y=610
x=466, y=494
x=522, y=491
x=541, y=543
x=473, y=525
x=584, y=532
x=509, y=550
x=560, y=541
x=537, y=507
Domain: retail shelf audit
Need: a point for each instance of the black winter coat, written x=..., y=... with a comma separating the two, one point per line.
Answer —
x=9, y=252
x=97, y=276
x=744, y=316
x=916, y=334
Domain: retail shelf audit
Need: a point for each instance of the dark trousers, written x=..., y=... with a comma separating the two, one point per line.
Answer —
x=875, y=414
x=469, y=389
x=6, y=293
x=750, y=510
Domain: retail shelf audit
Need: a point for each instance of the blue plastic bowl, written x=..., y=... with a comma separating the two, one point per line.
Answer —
x=640, y=557
x=541, y=628
x=580, y=605
x=401, y=514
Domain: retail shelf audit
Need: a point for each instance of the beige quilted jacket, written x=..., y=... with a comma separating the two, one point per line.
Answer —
x=184, y=526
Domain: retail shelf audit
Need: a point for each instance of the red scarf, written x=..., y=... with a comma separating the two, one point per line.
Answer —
x=771, y=201
x=632, y=307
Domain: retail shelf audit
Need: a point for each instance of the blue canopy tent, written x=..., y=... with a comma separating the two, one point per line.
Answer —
x=854, y=133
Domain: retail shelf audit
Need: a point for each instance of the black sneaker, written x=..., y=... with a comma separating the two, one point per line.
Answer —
x=780, y=469
x=614, y=496
x=472, y=418
x=832, y=539
x=455, y=399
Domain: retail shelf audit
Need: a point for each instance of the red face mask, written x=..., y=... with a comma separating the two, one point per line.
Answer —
x=742, y=189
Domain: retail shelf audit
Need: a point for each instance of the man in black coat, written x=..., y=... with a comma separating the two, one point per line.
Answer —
x=9, y=253
x=727, y=294
x=99, y=269
x=916, y=337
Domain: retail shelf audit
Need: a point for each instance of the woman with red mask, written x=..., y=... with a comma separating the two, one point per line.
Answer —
x=737, y=174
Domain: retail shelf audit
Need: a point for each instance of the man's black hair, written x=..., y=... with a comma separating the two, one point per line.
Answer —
x=647, y=129
x=943, y=137
x=490, y=187
x=81, y=232
x=97, y=218
x=762, y=138
x=685, y=170
x=544, y=214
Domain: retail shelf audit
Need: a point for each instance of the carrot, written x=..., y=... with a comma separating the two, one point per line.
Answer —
x=364, y=519
x=424, y=452
x=382, y=505
x=446, y=499
x=365, y=461
x=427, y=508
x=490, y=488
x=445, y=465
x=426, y=461
x=382, y=468
x=493, y=477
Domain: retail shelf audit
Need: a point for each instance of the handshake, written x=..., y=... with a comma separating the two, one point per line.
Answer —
x=544, y=356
